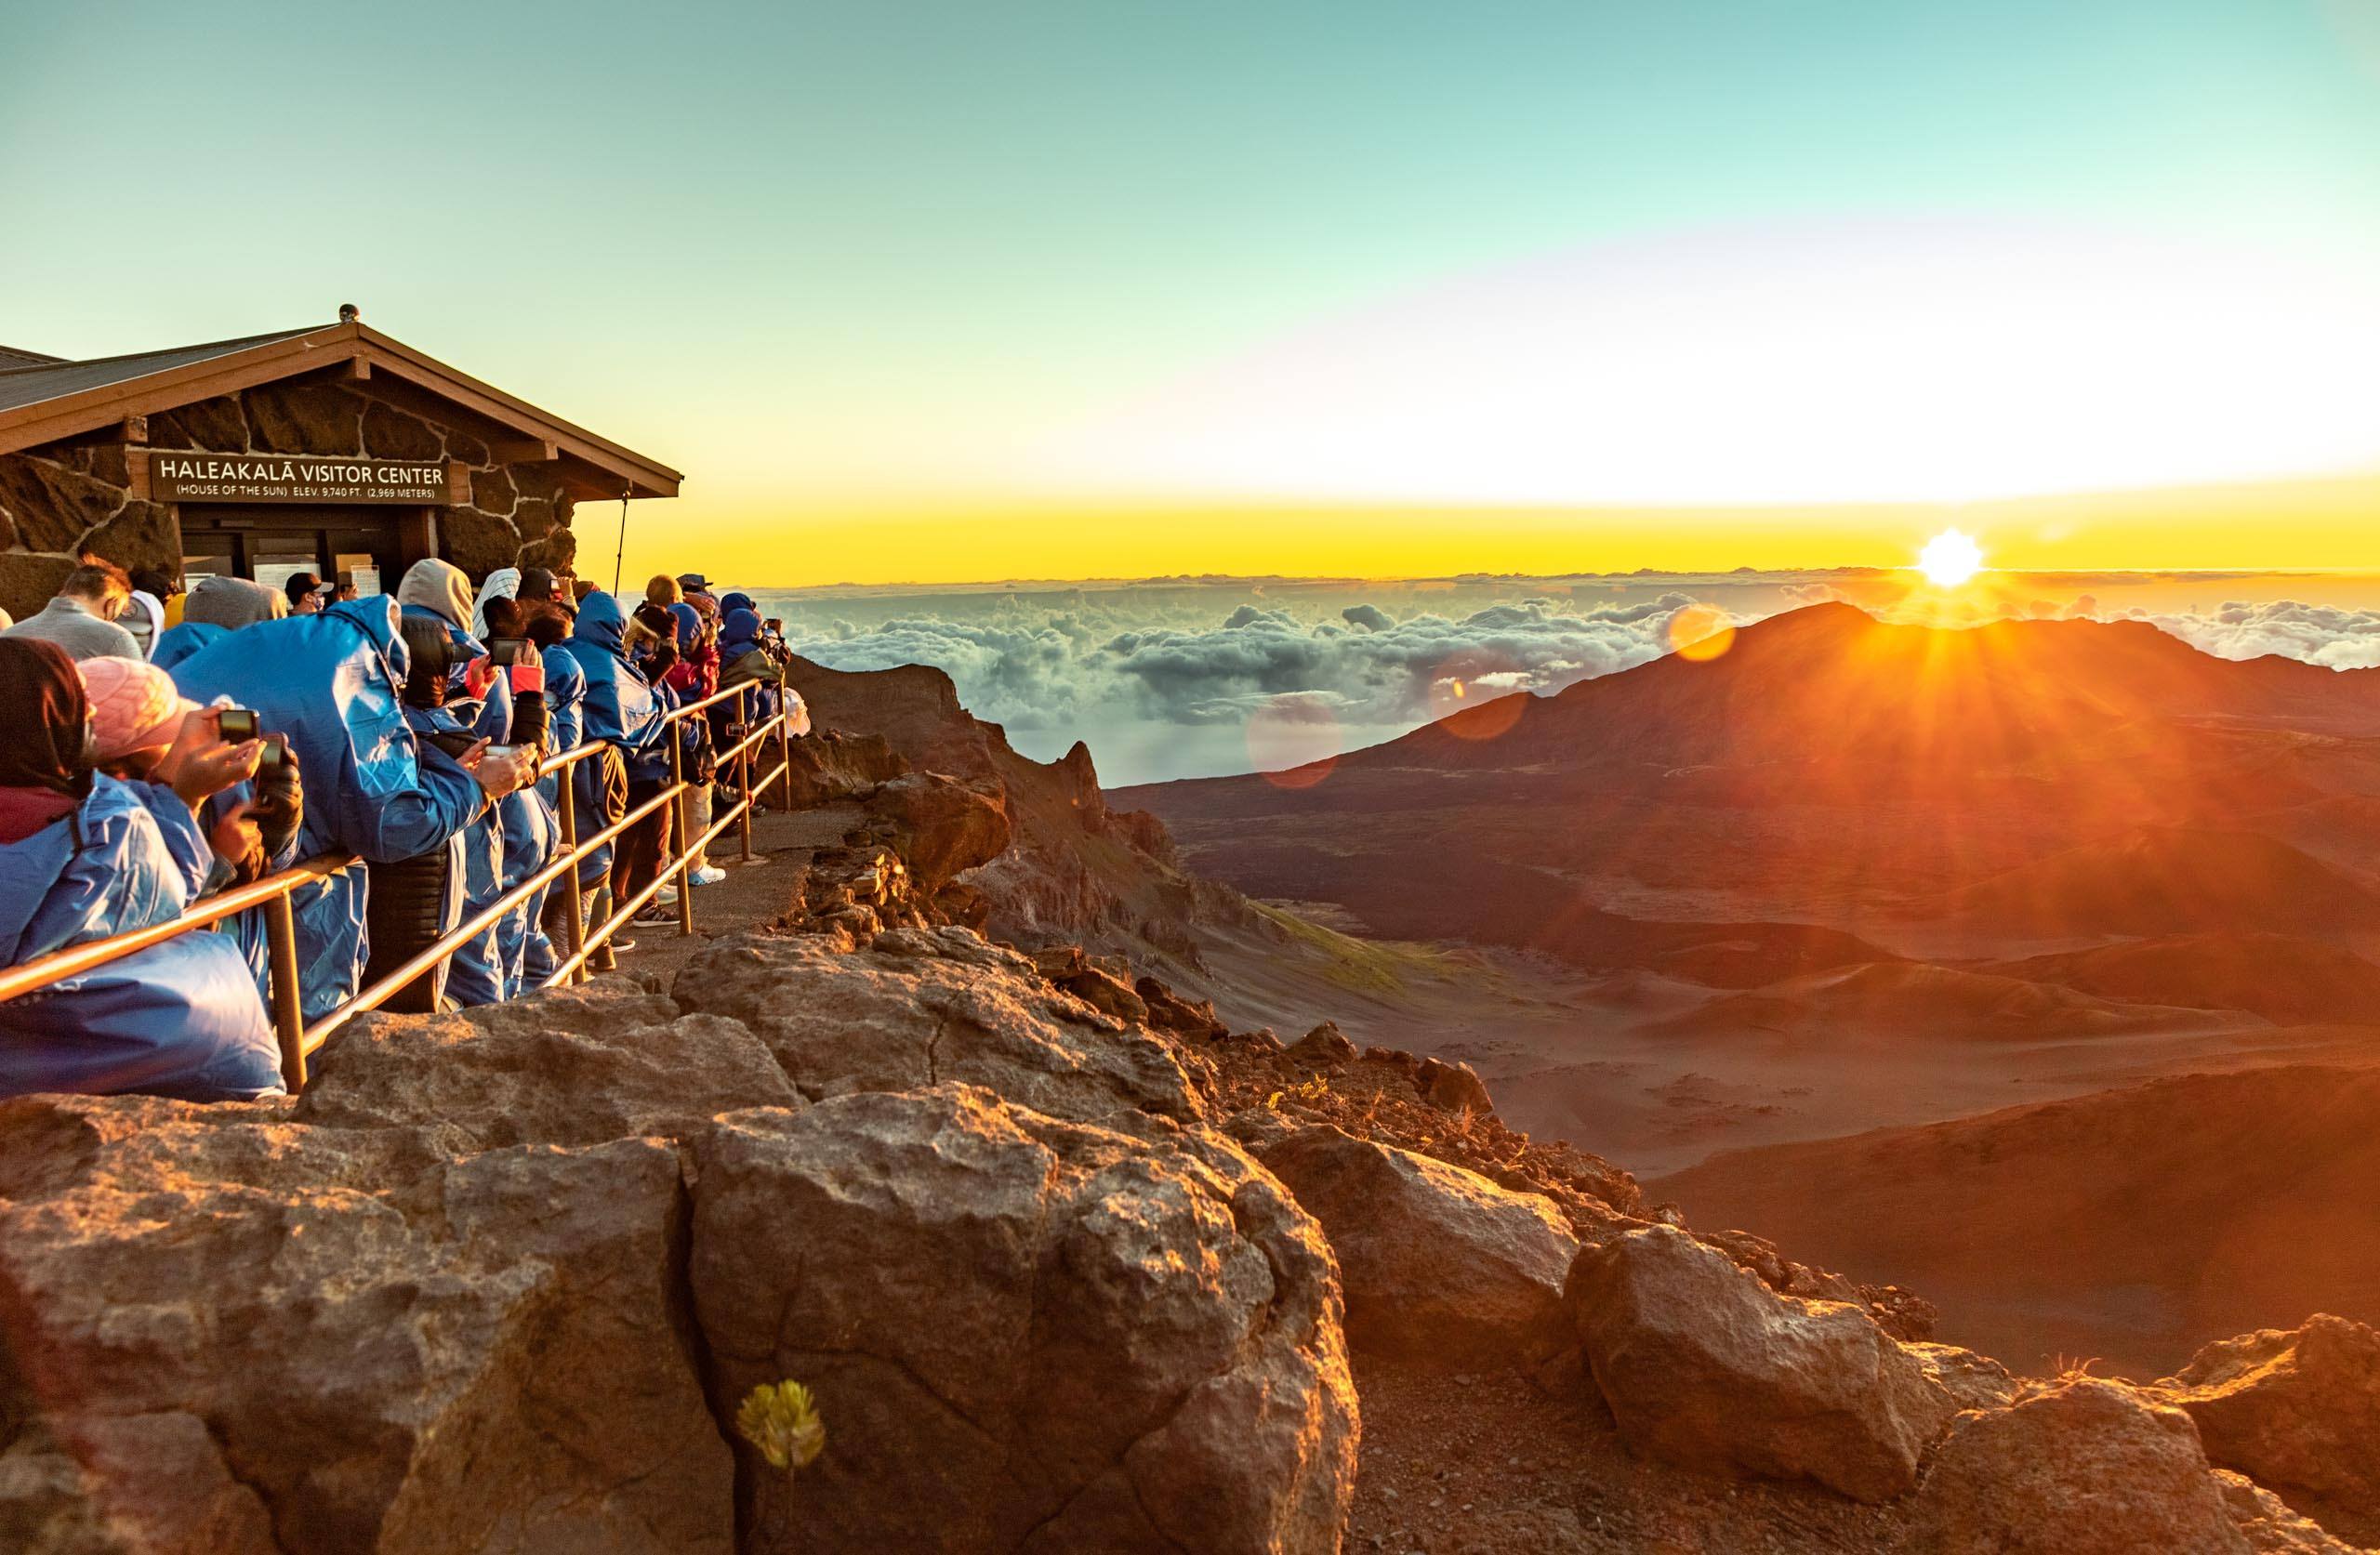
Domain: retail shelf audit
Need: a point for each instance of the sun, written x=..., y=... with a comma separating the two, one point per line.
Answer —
x=1950, y=558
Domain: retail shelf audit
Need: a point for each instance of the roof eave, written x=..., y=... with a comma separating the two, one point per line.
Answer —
x=291, y=356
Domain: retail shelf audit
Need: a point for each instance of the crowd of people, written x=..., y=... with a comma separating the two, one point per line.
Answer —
x=169, y=746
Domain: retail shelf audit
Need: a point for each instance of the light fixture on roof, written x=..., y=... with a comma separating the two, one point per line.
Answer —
x=349, y=313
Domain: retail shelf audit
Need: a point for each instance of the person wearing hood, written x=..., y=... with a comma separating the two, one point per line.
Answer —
x=529, y=825
x=332, y=682
x=745, y=659
x=693, y=676
x=151, y=587
x=549, y=928
x=455, y=701
x=502, y=584
x=621, y=707
x=86, y=856
x=216, y=606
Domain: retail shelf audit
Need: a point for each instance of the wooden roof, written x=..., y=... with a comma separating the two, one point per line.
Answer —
x=43, y=402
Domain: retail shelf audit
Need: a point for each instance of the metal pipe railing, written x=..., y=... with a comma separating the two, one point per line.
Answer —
x=298, y=1041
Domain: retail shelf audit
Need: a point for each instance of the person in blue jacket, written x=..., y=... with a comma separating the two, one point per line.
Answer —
x=743, y=660
x=620, y=706
x=565, y=688
x=457, y=701
x=330, y=681
x=85, y=856
x=526, y=824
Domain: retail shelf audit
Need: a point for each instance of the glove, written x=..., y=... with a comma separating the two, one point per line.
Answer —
x=279, y=808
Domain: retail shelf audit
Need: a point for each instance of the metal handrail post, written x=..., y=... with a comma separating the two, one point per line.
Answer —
x=744, y=768
x=568, y=807
x=682, y=855
x=785, y=745
x=288, y=1013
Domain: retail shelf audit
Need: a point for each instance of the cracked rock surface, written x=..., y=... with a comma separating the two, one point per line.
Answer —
x=1024, y=1332
x=920, y=1008
x=448, y=1301
x=245, y=1332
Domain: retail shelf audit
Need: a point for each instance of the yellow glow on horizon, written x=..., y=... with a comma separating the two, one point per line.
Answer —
x=1950, y=558
x=754, y=540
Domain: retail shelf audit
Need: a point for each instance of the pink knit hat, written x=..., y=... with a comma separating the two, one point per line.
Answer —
x=133, y=706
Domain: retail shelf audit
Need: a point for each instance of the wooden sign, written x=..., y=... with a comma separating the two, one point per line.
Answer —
x=295, y=478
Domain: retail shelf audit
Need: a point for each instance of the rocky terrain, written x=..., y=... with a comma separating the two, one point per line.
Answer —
x=2130, y=1225
x=1079, y=872
x=1064, y=1262
x=1985, y=890
x=1835, y=792
x=1057, y=1279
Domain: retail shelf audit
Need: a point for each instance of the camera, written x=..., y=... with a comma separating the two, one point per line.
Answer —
x=235, y=724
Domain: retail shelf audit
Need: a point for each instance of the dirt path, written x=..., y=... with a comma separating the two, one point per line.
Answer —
x=752, y=894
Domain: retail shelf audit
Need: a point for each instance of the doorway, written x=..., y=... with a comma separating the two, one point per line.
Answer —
x=272, y=544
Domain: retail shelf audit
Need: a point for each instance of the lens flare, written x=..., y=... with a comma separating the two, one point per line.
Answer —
x=1294, y=741
x=1701, y=633
x=1950, y=558
x=1475, y=691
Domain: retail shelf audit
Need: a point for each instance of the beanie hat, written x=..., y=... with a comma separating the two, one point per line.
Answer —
x=133, y=706
x=233, y=603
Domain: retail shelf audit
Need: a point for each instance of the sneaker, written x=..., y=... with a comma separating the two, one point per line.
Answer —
x=619, y=942
x=655, y=918
x=709, y=874
x=666, y=897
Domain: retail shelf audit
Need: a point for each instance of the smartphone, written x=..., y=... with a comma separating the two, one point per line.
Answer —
x=271, y=757
x=235, y=724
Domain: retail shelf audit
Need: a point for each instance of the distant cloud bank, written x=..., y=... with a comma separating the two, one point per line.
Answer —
x=1201, y=662
x=1038, y=667
x=2325, y=635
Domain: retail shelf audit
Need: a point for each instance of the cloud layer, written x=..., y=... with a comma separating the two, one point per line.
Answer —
x=2325, y=635
x=1042, y=668
x=1123, y=667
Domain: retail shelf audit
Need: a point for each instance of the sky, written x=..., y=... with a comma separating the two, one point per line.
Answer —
x=945, y=291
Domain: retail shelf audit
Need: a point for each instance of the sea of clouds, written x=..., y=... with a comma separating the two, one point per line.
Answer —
x=1166, y=681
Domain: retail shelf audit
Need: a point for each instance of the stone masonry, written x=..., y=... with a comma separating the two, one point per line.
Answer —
x=61, y=499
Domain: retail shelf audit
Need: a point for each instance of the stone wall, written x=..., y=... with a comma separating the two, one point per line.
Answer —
x=61, y=499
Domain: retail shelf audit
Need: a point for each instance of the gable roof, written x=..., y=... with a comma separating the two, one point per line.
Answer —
x=42, y=402
x=38, y=383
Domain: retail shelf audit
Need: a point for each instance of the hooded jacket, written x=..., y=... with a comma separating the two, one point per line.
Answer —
x=745, y=660
x=180, y=1019
x=534, y=831
x=438, y=587
x=502, y=584
x=331, y=681
x=618, y=703
x=565, y=730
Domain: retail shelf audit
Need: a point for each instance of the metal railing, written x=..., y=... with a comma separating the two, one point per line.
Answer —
x=299, y=1040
